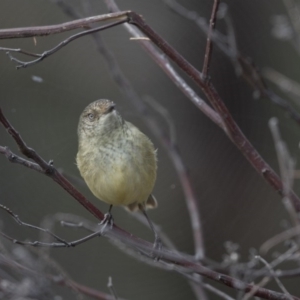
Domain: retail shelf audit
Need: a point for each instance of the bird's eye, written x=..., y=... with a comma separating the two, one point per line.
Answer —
x=91, y=116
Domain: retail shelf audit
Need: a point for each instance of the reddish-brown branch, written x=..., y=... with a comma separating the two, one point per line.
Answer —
x=166, y=256
x=209, y=45
x=49, y=170
x=234, y=133
x=232, y=129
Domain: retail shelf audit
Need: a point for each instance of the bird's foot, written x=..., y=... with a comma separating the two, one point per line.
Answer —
x=157, y=247
x=107, y=221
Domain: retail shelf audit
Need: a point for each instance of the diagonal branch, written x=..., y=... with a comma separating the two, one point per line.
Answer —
x=232, y=129
x=49, y=170
x=209, y=46
x=183, y=260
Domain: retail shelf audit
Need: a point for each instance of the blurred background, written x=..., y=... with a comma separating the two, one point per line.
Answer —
x=44, y=102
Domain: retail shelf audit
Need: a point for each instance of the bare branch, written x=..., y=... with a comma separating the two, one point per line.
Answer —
x=217, y=292
x=22, y=64
x=293, y=12
x=209, y=46
x=13, y=158
x=51, y=171
x=60, y=279
x=243, y=65
x=286, y=84
x=25, y=32
x=17, y=219
x=281, y=286
x=286, y=166
x=279, y=238
x=232, y=129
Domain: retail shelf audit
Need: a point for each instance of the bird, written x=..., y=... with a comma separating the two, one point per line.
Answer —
x=116, y=160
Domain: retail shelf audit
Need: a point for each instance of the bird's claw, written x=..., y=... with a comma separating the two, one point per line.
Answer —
x=157, y=246
x=107, y=221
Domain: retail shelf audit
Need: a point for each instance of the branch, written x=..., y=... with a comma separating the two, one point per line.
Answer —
x=209, y=46
x=13, y=158
x=279, y=283
x=49, y=170
x=22, y=64
x=231, y=128
x=188, y=264
x=18, y=220
x=25, y=32
x=61, y=279
x=244, y=66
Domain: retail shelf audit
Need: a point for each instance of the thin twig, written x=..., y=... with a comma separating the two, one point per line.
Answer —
x=279, y=283
x=209, y=45
x=286, y=84
x=13, y=158
x=217, y=292
x=279, y=238
x=293, y=12
x=18, y=220
x=18, y=50
x=23, y=64
x=61, y=279
x=286, y=167
x=25, y=32
x=252, y=292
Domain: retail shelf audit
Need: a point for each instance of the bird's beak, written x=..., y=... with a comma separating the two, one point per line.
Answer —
x=110, y=108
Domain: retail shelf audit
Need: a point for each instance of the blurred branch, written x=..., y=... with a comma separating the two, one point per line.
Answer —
x=286, y=84
x=279, y=238
x=172, y=149
x=293, y=11
x=244, y=66
x=252, y=75
x=279, y=283
x=209, y=46
x=59, y=279
x=286, y=167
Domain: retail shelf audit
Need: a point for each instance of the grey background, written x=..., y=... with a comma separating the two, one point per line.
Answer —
x=235, y=203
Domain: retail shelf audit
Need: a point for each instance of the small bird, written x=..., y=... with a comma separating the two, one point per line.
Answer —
x=117, y=161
